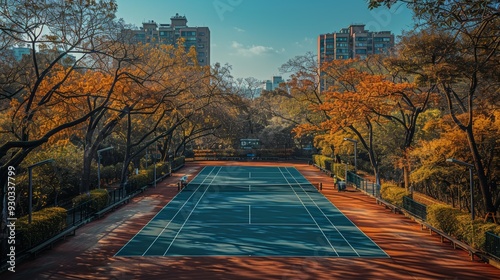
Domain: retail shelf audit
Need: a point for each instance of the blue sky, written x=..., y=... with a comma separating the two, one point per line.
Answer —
x=256, y=37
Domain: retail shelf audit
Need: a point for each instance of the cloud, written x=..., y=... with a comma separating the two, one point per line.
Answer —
x=307, y=42
x=250, y=51
x=238, y=29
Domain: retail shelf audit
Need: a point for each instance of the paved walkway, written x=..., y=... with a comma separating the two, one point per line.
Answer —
x=414, y=253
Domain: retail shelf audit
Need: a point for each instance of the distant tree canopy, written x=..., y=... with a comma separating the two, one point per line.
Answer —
x=80, y=87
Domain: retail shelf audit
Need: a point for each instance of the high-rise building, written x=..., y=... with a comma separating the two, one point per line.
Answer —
x=151, y=32
x=19, y=52
x=352, y=42
x=274, y=84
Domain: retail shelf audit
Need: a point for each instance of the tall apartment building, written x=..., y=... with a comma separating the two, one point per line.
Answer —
x=151, y=32
x=352, y=42
x=274, y=83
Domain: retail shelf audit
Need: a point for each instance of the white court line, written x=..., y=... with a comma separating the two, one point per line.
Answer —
x=249, y=214
x=200, y=224
x=319, y=208
x=152, y=219
x=178, y=211
x=322, y=232
x=190, y=213
x=335, y=227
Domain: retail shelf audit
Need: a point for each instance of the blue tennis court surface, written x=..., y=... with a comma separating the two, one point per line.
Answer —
x=250, y=211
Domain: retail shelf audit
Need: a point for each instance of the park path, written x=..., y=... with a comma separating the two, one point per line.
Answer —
x=414, y=254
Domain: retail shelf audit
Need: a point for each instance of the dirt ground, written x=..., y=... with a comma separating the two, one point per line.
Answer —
x=414, y=254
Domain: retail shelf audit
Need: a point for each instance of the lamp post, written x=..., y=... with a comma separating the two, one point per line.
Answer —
x=470, y=180
x=99, y=165
x=30, y=175
x=355, y=152
x=155, y=159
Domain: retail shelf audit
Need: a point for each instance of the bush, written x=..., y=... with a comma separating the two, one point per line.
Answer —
x=393, y=194
x=98, y=199
x=161, y=170
x=138, y=181
x=320, y=160
x=178, y=162
x=108, y=174
x=45, y=224
x=458, y=224
x=444, y=217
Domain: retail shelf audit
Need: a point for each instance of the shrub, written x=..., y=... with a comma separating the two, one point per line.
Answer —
x=108, y=173
x=178, y=162
x=45, y=224
x=444, y=217
x=138, y=181
x=474, y=233
x=98, y=199
x=393, y=194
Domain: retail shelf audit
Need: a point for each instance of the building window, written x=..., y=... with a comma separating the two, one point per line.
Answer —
x=201, y=33
x=188, y=33
x=201, y=46
x=341, y=44
x=341, y=39
x=386, y=39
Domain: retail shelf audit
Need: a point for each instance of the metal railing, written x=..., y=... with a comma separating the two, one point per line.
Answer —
x=418, y=210
x=363, y=184
x=492, y=244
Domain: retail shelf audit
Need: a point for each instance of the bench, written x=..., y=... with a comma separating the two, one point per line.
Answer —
x=456, y=243
x=388, y=205
x=50, y=242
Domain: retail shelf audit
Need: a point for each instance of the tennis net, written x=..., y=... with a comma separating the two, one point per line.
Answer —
x=308, y=187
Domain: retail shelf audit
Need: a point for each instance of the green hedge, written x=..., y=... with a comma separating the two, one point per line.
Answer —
x=328, y=163
x=443, y=217
x=459, y=225
x=393, y=194
x=178, y=161
x=98, y=199
x=139, y=180
x=108, y=174
x=45, y=224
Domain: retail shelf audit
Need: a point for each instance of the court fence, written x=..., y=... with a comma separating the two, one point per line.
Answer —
x=78, y=216
x=416, y=209
x=360, y=183
x=492, y=244
x=410, y=206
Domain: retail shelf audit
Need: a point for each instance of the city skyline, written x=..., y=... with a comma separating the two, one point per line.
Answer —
x=256, y=37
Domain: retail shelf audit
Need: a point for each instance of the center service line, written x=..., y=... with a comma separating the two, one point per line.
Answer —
x=249, y=214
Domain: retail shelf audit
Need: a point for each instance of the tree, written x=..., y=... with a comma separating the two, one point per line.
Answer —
x=32, y=86
x=466, y=71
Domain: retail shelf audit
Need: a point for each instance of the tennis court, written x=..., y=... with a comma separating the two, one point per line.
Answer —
x=250, y=211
